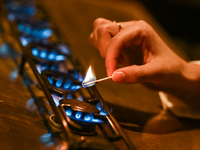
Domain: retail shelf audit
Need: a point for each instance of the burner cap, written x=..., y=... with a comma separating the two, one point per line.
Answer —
x=79, y=106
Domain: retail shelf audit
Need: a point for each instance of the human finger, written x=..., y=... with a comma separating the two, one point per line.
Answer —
x=138, y=73
x=140, y=34
x=102, y=34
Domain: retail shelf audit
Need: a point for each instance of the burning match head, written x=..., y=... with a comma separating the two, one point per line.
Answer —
x=87, y=84
x=91, y=83
x=99, y=80
x=90, y=78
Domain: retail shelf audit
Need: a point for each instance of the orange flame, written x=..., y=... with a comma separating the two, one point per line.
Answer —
x=90, y=76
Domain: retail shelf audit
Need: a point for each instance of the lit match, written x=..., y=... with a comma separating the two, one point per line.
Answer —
x=99, y=80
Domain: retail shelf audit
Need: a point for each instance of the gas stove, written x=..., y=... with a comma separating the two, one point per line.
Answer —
x=76, y=115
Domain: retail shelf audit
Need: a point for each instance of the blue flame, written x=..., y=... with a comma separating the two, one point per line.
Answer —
x=51, y=55
x=32, y=10
x=50, y=80
x=16, y=7
x=75, y=87
x=4, y=50
x=46, y=33
x=56, y=99
x=35, y=52
x=98, y=107
x=25, y=41
x=27, y=29
x=60, y=57
x=78, y=115
x=69, y=112
x=54, y=67
x=39, y=69
x=88, y=118
x=35, y=32
x=64, y=49
x=80, y=98
x=59, y=82
x=103, y=113
x=20, y=27
x=97, y=120
x=43, y=54
x=67, y=85
x=80, y=78
x=70, y=96
x=11, y=17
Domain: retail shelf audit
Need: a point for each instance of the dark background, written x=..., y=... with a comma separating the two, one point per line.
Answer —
x=181, y=19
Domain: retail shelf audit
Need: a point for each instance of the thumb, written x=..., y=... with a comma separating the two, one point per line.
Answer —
x=134, y=74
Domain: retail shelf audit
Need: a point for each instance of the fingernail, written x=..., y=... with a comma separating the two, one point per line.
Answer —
x=118, y=76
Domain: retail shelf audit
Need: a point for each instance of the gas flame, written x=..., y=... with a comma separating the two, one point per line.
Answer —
x=90, y=76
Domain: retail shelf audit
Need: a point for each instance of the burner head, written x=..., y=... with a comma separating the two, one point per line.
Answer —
x=27, y=39
x=19, y=10
x=44, y=51
x=81, y=106
x=34, y=27
x=78, y=110
x=46, y=54
x=81, y=113
x=47, y=66
x=60, y=82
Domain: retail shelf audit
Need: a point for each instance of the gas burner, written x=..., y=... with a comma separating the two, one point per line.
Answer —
x=34, y=27
x=64, y=48
x=82, y=117
x=81, y=113
x=20, y=10
x=68, y=95
x=43, y=66
x=46, y=53
x=27, y=39
x=48, y=56
x=59, y=82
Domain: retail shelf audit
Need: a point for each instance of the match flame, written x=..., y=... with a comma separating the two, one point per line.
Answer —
x=90, y=76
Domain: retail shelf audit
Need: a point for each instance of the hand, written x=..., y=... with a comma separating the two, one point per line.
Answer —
x=144, y=58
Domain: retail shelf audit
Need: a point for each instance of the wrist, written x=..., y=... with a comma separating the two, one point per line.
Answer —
x=185, y=100
x=189, y=89
x=192, y=75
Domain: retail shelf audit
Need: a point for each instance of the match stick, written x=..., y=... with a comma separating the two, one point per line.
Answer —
x=99, y=80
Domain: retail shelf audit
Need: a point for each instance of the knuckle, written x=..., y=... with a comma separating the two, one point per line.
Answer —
x=142, y=23
x=102, y=29
x=99, y=21
x=142, y=29
x=105, y=27
x=137, y=74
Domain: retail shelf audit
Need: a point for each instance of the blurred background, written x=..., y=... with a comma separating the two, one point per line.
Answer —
x=181, y=19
